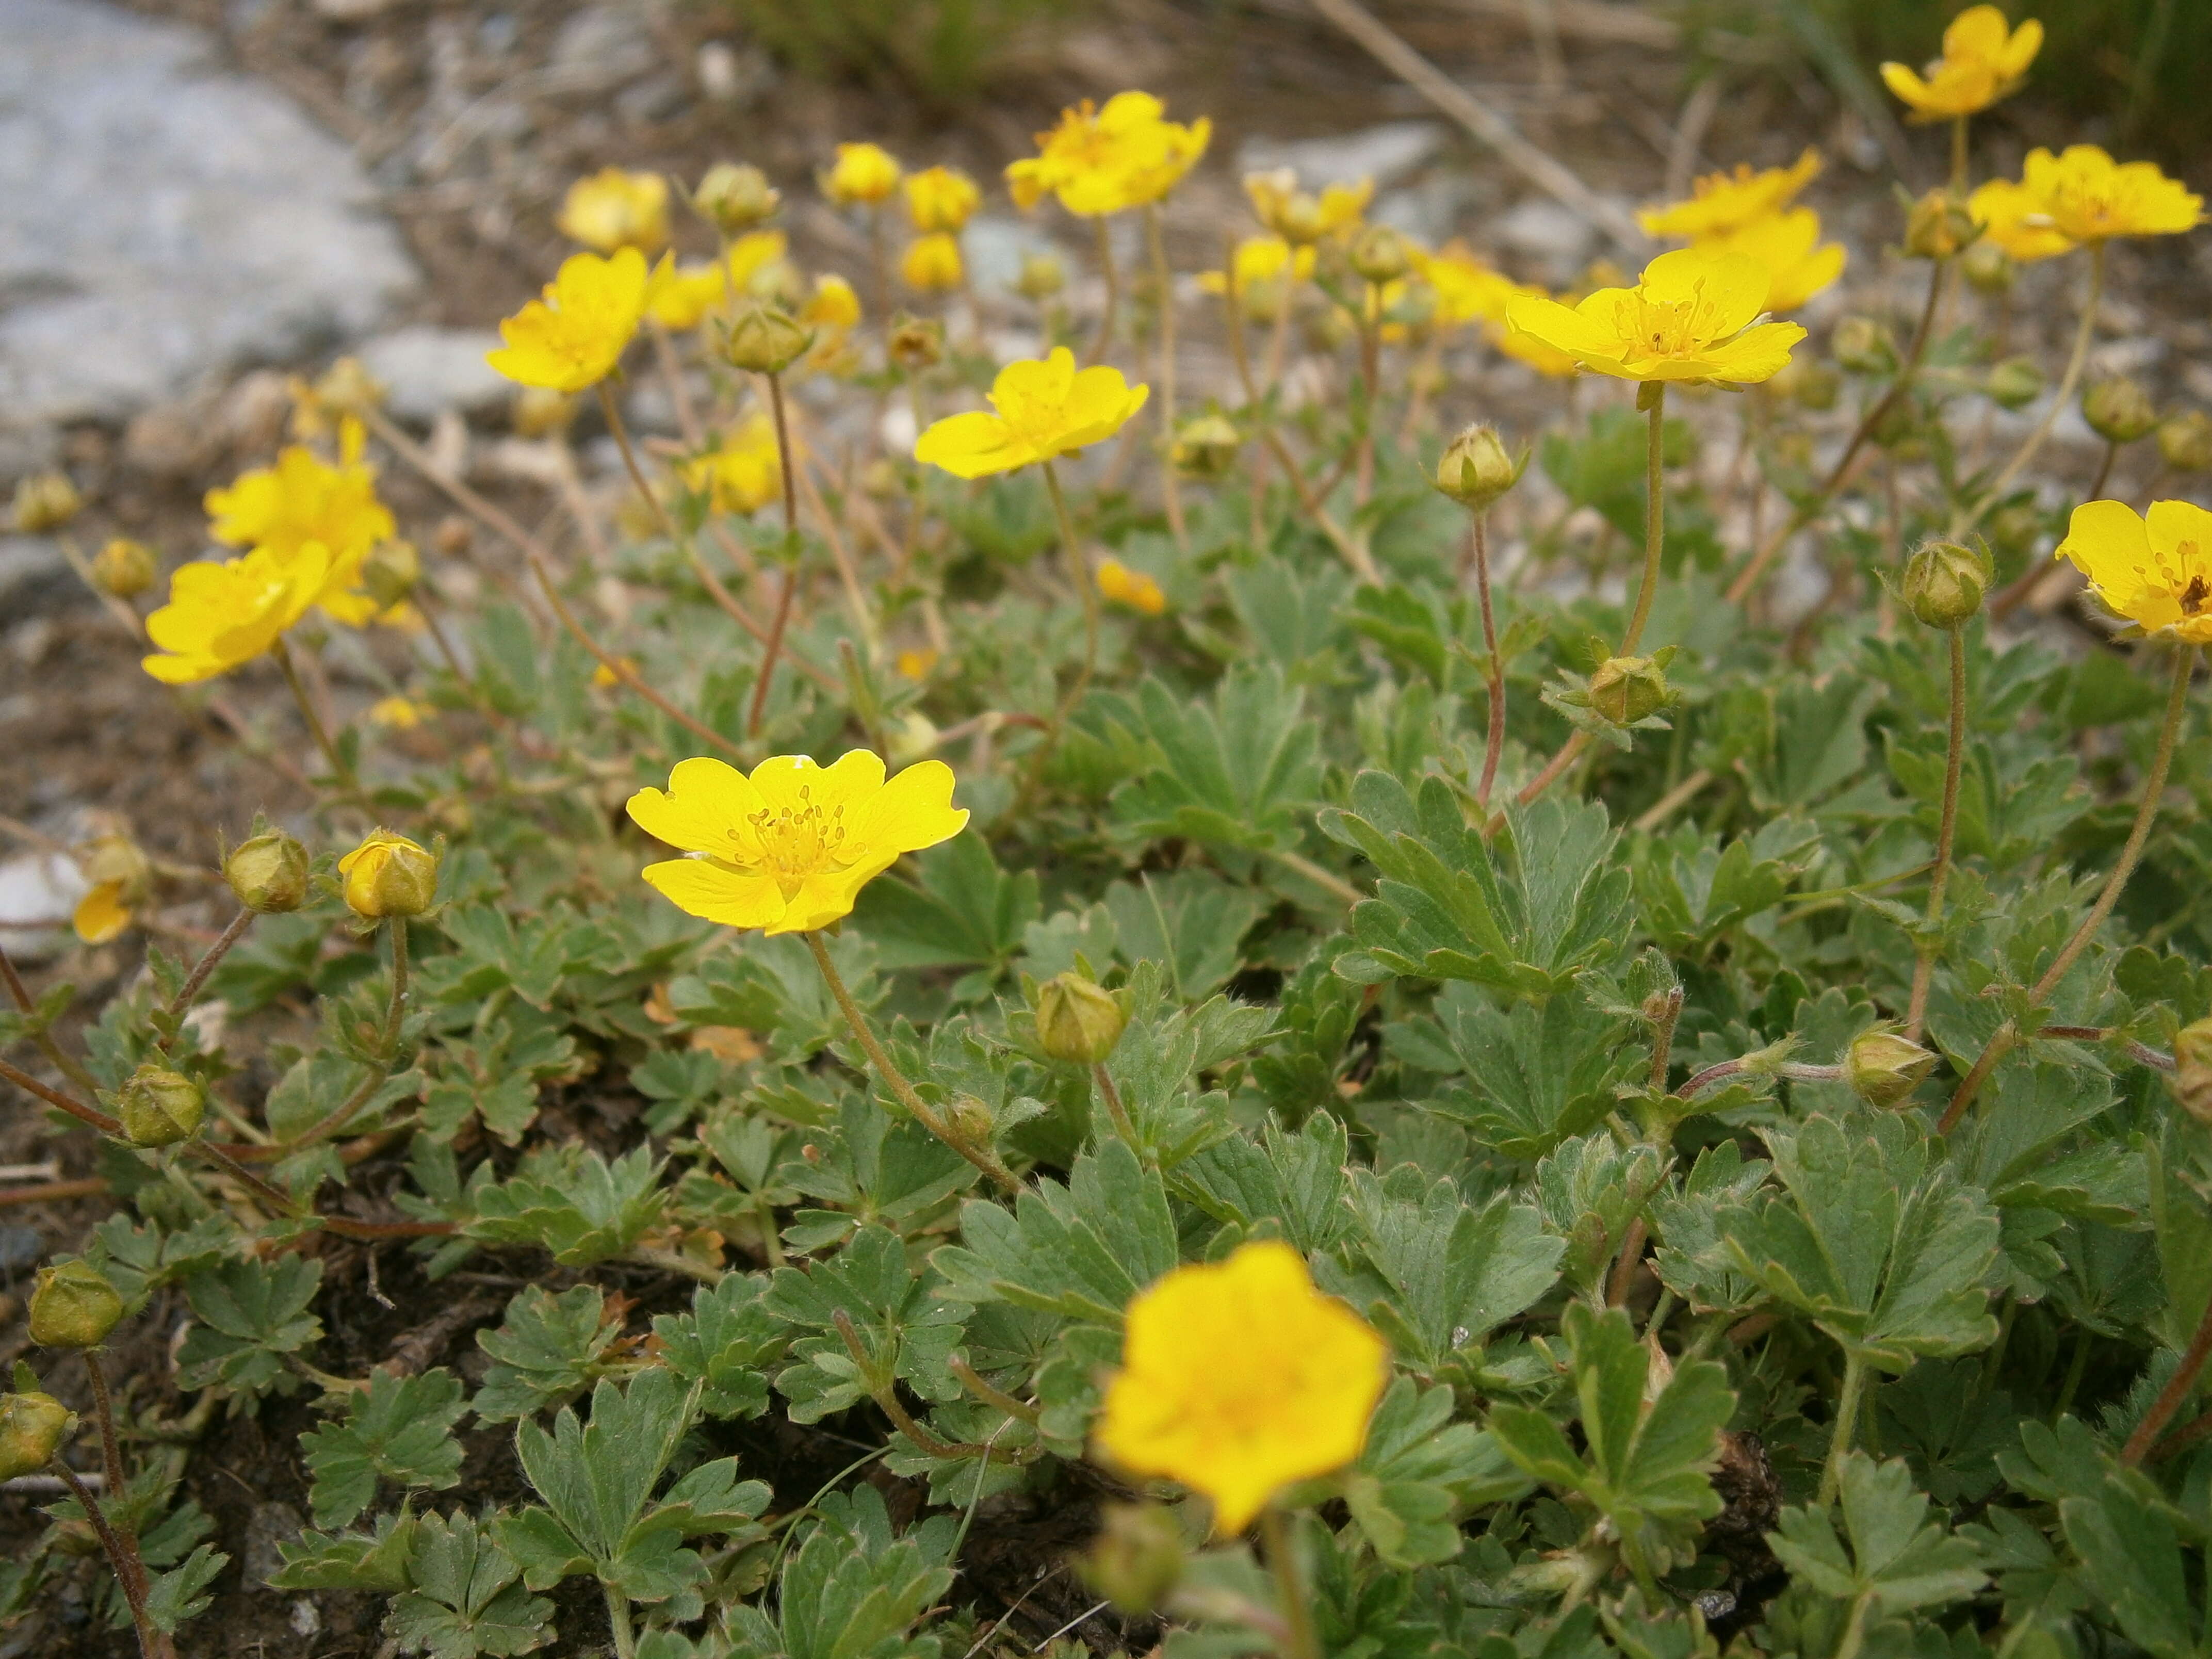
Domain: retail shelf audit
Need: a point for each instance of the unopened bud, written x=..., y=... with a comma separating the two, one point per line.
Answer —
x=1944, y=581
x=2191, y=1081
x=1988, y=267
x=914, y=738
x=916, y=343
x=1809, y=383
x=119, y=862
x=1076, y=1020
x=45, y=501
x=388, y=875
x=160, y=1107
x=390, y=572
x=539, y=412
x=1883, y=1067
x=1206, y=447
x=1938, y=226
x=1380, y=255
x=2185, y=442
x=1863, y=346
x=124, y=568
x=1043, y=276
x=34, y=1428
x=73, y=1306
x=1476, y=469
x=734, y=198
x=969, y=1120
x=765, y=339
x=1137, y=1559
x=2118, y=410
x=2015, y=383
x=268, y=873
x=1626, y=689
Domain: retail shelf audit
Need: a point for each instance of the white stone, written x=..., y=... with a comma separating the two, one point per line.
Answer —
x=39, y=894
x=1540, y=229
x=160, y=219
x=995, y=244
x=428, y=370
x=1385, y=154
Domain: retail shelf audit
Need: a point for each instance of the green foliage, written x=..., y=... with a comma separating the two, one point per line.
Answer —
x=399, y=1429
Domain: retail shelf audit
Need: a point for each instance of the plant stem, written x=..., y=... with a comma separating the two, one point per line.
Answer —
x=2104, y=469
x=123, y=1556
x=2080, y=357
x=618, y=1621
x=1854, y=1636
x=924, y=1114
x=1370, y=376
x=1164, y=280
x=1839, y=1436
x=396, y=928
x=206, y=965
x=786, y=465
x=2008, y=1035
x=1104, y=337
x=1652, y=395
x=88, y=1115
x=1923, y=967
x=111, y=1451
x=2174, y=1395
x=1079, y=572
x=1317, y=874
x=1116, y=1110
x=1494, y=668
x=25, y=1003
x=2076, y=1368
x=339, y=769
x=1299, y=1640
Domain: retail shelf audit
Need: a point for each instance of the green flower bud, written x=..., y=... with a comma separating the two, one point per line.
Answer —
x=1988, y=267
x=765, y=339
x=1379, y=254
x=2191, y=1081
x=1077, y=1021
x=388, y=875
x=2015, y=383
x=915, y=343
x=1137, y=1559
x=45, y=501
x=268, y=873
x=1938, y=226
x=124, y=568
x=1883, y=1068
x=1043, y=276
x=2185, y=442
x=33, y=1427
x=1626, y=689
x=160, y=1107
x=734, y=199
x=1206, y=447
x=73, y=1307
x=969, y=1120
x=1475, y=469
x=390, y=573
x=1944, y=582
x=2118, y=410
x=1863, y=346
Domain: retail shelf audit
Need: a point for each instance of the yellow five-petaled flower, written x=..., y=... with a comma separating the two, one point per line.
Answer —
x=614, y=208
x=1104, y=161
x=574, y=336
x=2081, y=195
x=788, y=849
x=1723, y=202
x=305, y=498
x=1239, y=1379
x=1045, y=409
x=1692, y=316
x=2156, y=571
x=1984, y=60
x=222, y=616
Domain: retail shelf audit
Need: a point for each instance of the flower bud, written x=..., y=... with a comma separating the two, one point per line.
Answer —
x=1944, y=581
x=45, y=501
x=2118, y=410
x=916, y=343
x=1077, y=1021
x=1475, y=469
x=2185, y=442
x=1988, y=267
x=73, y=1306
x=1137, y=1559
x=539, y=412
x=1863, y=346
x=160, y=1107
x=969, y=1120
x=734, y=199
x=916, y=736
x=1043, y=276
x=268, y=873
x=2191, y=1081
x=390, y=573
x=1807, y=382
x=1883, y=1067
x=124, y=568
x=1626, y=689
x=1206, y=447
x=33, y=1427
x=388, y=875
x=2015, y=383
x=347, y=387
x=1938, y=226
x=765, y=339
x=1379, y=254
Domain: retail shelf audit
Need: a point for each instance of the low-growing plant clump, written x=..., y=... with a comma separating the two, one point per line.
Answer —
x=1079, y=1016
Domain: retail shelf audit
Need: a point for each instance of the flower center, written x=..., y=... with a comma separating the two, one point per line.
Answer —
x=799, y=841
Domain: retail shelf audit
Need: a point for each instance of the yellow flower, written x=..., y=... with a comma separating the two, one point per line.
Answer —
x=388, y=875
x=574, y=336
x=1103, y=161
x=100, y=914
x=1302, y=217
x=397, y=713
x=1240, y=1379
x=744, y=473
x=932, y=263
x=1722, y=202
x=788, y=849
x=1983, y=60
x=832, y=305
x=1467, y=289
x=2014, y=218
x=915, y=662
x=1261, y=265
x=603, y=676
x=941, y=198
x=2155, y=571
x=220, y=615
x=121, y=879
x=1130, y=587
x=863, y=173
x=678, y=297
x=2089, y=198
x=613, y=209
x=756, y=263
x=304, y=499
x=1044, y=409
x=1787, y=247
x=1689, y=318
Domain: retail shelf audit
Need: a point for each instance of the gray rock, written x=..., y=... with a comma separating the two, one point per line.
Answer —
x=269, y=1526
x=995, y=245
x=34, y=577
x=160, y=220
x=429, y=370
x=1541, y=229
x=602, y=45
x=1386, y=154
x=19, y=1247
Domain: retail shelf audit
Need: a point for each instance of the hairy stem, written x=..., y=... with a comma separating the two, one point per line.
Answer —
x=1653, y=396
x=2174, y=1396
x=1116, y=1110
x=1164, y=280
x=347, y=782
x=2075, y=362
x=1839, y=1437
x=1923, y=966
x=1300, y=1640
x=1104, y=337
x=123, y=1556
x=1494, y=668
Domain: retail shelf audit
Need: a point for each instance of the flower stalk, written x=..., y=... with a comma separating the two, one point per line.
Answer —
x=1930, y=944
x=1300, y=1640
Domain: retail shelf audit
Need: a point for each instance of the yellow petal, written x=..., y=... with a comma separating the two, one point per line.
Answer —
x=707, y=891
x=101, y=913
x=971, y=445
x=850, y=782
x=707, y=808
x=914, y=810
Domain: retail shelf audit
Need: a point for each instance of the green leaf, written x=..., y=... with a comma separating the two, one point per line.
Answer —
x=250, y=1314
x=549, y=1349
x=1242, y=772
x=570, y=1202
x=1418, y=1471
x=181, y=1593
x=1189, y=922
x=1535, y=1074
x=399, y=1428
x=907, y=1326
x=1898, y=1559
x=724, y=1343
x=351, y=1561
x=464, y=1597
x=1590, y=1191
x=2133, y=1557
x=962, y=910
x=851, y=1591
x=1292, y=1183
